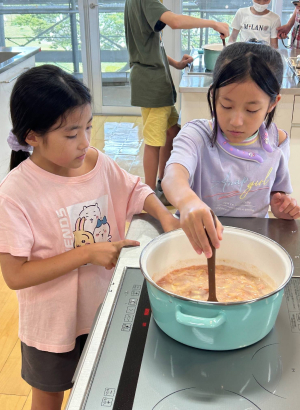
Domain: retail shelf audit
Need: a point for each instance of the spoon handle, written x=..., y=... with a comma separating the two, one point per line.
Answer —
x=223, y=40
x=211, y=265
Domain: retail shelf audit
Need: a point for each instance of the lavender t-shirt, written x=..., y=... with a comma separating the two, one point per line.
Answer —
x=229, y=185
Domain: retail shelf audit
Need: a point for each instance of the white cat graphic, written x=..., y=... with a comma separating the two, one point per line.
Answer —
x=102, y=231
x=91, y=214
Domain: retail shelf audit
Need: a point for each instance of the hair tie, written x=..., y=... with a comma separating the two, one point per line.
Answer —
x=15, y=145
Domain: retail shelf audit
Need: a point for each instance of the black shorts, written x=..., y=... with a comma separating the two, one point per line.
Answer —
x=52, y=372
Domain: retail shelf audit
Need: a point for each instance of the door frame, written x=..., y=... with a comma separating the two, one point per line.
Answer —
x=172, y=43
x=91, y=59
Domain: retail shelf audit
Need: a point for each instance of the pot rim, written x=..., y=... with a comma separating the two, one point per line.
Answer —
x=203, y=302
x=206, y=47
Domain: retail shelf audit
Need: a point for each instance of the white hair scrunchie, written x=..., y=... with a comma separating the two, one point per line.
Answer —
x=14, y=144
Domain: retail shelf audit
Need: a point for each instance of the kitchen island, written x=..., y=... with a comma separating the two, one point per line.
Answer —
x=195, y=84
x=88, y=392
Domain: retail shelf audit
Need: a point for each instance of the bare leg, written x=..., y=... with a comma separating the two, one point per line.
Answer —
x=151, y=157
x=165, y=151
x=42, y=400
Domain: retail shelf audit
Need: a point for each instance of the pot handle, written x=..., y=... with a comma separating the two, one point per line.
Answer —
x=201, y=322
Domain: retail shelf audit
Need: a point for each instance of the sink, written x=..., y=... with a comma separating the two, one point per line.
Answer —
x=6, y=55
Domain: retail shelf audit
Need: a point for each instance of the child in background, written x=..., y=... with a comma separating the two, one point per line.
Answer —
x=152, y=86
x=237, y=163
x=66, y=195
x=294, y=22
x=256, y=22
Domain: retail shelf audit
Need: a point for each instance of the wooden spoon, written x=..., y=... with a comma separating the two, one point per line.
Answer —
x=211, y=265
x=223, y=40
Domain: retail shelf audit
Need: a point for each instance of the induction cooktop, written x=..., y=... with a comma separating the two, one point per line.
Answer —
x=141, y=368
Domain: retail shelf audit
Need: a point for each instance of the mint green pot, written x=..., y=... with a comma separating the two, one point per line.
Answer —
x=211, y=53
x=214, y=325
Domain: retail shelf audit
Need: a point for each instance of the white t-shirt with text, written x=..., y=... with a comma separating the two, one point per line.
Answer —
x=253, y=26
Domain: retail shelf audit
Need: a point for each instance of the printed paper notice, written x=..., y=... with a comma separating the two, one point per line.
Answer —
x=292, y=296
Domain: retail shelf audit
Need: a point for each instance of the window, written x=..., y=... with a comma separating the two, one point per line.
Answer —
x=287, y=11
x=51, y=25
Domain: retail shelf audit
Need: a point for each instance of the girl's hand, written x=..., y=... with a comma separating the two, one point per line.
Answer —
x=106, y=253
x=170, y=224
x=186, y=59
x=284, y=206
x=194, y=216
x=283, y=31
x=222, y=28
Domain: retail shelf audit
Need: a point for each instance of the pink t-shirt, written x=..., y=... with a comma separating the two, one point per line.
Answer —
x=39, y=214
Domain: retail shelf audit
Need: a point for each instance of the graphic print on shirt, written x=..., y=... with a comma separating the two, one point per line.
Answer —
x=82, y=237
x=228, y=188
x=88, y=222
x=91, y=227
x=255, y=27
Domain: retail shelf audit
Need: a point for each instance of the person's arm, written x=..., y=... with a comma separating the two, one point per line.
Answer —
x=181, y=21
x=233, y=36
x=19, y=273
x=283, y=206
x=155, y=208
x=194, y=213
x=180, y=65
x=284, y=30
x=274, y=42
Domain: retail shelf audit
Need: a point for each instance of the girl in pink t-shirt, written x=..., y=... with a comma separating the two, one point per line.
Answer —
x=54, y=202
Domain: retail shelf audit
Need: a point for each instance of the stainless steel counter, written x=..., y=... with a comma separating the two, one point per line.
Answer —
x=19, y=54
x=198, y=81
x=144, y=228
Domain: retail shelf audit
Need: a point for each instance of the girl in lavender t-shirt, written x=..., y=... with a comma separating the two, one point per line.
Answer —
x=236, y=164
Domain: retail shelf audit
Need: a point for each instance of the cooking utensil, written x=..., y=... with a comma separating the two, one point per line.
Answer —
x=216, y=325
x=223, y=40
x=292, y=64
x=211, y=266
x=291, y=45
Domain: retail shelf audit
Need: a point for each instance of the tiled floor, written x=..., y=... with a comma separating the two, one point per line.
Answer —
x=121, y=139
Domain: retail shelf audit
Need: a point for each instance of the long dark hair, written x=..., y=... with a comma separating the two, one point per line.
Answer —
x=241, y=61
x=42, y=96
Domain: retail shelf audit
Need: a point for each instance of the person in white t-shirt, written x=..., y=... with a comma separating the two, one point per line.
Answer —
x=256, y=22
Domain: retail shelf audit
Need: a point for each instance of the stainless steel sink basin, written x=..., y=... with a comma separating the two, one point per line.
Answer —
x=6, y=55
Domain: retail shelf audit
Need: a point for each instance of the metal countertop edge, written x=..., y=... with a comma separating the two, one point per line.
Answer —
x=85, y=373
x=17, y=60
